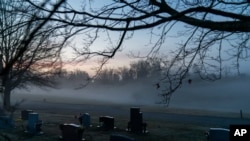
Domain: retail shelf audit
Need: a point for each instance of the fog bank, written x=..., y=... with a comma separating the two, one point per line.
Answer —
x=229, y=95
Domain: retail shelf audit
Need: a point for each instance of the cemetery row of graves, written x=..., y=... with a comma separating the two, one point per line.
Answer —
x=33, y=126
x=29, y=125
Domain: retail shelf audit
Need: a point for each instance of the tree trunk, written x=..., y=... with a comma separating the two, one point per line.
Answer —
x=6, y=98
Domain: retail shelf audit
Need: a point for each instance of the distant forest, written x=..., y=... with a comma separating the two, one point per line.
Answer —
x=141, y=70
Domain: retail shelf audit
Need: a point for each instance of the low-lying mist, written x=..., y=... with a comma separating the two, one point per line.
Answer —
x=230, y=94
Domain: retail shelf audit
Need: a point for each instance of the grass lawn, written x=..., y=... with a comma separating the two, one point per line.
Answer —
x=158, y=130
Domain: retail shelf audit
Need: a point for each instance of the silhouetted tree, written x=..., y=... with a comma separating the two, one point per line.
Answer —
x=155, y=67
x=78, y=75
x=29, y=48
x=141, y=69
x=108, y=76
x=126, y=74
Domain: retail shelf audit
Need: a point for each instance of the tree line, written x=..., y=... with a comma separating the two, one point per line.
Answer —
x=137, y=70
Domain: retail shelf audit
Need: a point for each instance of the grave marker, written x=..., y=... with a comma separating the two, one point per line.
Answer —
x=2, y=113
x=6, y=122
x=136, y=124
x=25, y=114
x=34, y=124
x=218, y=134
x=115, y=137
x=85, y=120
x=71, y=132
x=107, y=122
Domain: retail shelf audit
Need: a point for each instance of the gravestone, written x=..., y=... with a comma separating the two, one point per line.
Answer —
x=71, y=132
x=136, y=124
x=115, y=137
x=107, y=122
x=218, y=134
x=2, y=113
x=6, y=122
x=25, y=114
x=85, y=120
x=34, y=124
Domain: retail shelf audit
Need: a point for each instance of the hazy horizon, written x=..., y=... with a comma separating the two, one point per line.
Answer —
x=226, y=95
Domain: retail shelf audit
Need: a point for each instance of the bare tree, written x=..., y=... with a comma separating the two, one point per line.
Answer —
x=141, y=69
x=126, y=74
x=211, y=28
x=29, y=48
x=108, y=76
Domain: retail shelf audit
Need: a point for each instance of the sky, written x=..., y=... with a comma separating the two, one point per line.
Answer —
x=138, y=45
